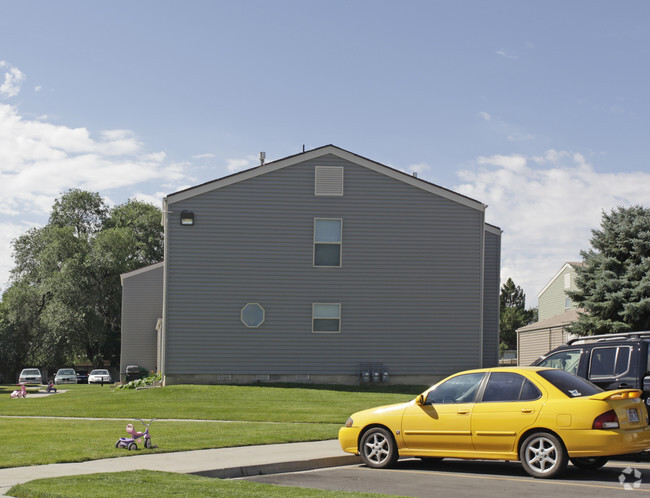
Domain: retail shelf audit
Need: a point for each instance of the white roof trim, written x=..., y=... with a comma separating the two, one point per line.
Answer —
x=493, y=229
x=566, y=265
x=141, y=270
x=313, y=154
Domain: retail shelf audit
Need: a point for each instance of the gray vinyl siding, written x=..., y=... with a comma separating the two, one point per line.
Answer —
x=142, y=297
x=491, y=289
x=409, y=285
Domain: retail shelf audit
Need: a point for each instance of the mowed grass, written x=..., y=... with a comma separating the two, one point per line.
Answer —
x=259, y=415
x=150, y=483
x=317, y=404
x=44, y=441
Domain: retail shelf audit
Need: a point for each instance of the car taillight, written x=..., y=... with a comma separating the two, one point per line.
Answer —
x=607, y=420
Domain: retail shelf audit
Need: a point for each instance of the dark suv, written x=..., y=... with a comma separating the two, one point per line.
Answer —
x=611, y=361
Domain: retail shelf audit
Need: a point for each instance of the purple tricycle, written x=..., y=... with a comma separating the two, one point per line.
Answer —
x=130, y=442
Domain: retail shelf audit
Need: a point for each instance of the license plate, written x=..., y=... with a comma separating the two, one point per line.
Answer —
x=632, y=415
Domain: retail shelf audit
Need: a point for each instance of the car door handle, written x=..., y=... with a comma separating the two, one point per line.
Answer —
x=527, y=410
x=623, y=385
x=463, y=412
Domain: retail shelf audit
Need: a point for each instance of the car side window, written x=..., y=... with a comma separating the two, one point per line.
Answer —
x=609, y=361
x=564, y=360
x=509, y=386
x=459, y=389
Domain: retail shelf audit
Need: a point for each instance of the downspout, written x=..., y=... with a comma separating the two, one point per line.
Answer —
x=482, y=288
x=163, y=334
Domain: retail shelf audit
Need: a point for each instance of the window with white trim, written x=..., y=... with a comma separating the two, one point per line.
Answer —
x=327, y=242
x=252, y=315
x=326, y=317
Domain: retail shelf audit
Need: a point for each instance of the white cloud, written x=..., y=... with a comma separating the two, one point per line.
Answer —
x=507, y=55
x=484, y=115
x=13, y=79
x=40, y=160
x=546, y=207
x=235, y=165
x=420, y=168
x=207, y=155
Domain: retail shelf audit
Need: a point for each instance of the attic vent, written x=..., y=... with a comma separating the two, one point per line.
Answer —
x=329, y=180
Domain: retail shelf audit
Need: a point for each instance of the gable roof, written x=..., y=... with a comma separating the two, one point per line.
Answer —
x=561, y=320
x=139, y=271
x=573, y=265
x=314, y=154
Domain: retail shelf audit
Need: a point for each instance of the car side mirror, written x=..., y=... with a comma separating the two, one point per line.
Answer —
x=419, y=400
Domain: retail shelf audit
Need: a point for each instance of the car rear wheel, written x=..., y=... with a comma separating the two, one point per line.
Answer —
x=378, y=448
x=593, y=463
x=543, y=455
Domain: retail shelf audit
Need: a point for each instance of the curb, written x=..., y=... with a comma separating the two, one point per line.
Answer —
x=280, y=467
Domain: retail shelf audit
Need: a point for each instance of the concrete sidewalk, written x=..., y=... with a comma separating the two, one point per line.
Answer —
x=223, y=463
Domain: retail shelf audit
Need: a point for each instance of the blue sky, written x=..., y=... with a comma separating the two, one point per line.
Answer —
x=539, y=110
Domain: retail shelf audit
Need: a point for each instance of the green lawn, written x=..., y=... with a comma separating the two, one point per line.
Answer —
x=326, y=404
x=149, y=483
x=259, y=415
x=256, y=415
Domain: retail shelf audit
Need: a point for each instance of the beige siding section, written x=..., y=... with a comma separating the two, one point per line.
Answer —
x=551, y=300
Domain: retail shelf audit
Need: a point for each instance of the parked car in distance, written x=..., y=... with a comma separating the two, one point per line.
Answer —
x=82, y=377
x=65, y=376
x=99, y=375
x=542, y=417
x=30, y=376
x=611, y=361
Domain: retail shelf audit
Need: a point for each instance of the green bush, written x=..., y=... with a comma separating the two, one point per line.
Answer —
x=147, y=381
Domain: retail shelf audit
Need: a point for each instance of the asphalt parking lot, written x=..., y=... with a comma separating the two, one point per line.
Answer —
x=471, y=478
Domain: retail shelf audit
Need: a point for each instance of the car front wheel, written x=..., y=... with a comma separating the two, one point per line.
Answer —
x=378, y=449
x=543, y=455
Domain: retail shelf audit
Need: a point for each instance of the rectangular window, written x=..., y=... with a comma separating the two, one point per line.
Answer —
x=326, y=318
x=609, y=362
x=327, y=242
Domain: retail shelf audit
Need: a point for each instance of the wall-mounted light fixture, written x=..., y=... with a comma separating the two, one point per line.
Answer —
x=187, y=218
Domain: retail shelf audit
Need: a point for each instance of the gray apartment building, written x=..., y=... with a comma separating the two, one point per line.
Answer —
x=322, y=267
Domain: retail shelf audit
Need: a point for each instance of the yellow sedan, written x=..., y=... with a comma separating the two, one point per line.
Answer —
x=542, y=417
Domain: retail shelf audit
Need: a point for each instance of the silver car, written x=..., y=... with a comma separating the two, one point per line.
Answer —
x=65, y=376
x=30, y=376
x=99, y=375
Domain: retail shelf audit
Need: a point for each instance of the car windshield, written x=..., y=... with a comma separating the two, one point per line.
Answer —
x=571, y=385
x=99, y=372
x=31, y=371
x=66, y=372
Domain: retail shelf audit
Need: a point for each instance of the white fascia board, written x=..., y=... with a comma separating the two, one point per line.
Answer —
x=566, y=265
x=492, y=229
x=140, y=270
x=313, y=154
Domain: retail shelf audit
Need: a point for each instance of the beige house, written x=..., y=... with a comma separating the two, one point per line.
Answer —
x=556, y=311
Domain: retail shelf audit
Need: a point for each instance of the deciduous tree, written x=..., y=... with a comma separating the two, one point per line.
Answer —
x=64, y=302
